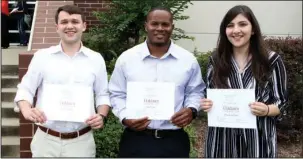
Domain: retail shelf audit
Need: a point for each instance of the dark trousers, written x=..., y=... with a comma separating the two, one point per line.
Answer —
x=136, y=144
x=21, y=29
x=4, y=31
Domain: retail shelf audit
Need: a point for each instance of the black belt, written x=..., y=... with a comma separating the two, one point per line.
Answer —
x=157, y=133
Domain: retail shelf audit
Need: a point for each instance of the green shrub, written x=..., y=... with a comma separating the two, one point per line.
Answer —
x=192, y=133
x=106, y=47
x=107, y=139
x=202, y=58
x=291, y=52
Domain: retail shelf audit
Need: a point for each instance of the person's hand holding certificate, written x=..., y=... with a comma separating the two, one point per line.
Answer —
x=155, y=100
x=230, y=108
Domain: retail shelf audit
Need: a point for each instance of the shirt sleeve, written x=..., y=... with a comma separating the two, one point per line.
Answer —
x=117, y=89
x=32, y=79
x=279, y=86
x=101, y=85
x=194, y=90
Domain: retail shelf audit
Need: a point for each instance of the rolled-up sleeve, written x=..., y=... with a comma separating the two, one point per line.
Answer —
x=117, y=89
x=101, y=85
x=195, y=87
x=31, y=80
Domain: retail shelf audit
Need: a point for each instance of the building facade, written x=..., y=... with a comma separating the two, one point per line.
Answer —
x=276, y=18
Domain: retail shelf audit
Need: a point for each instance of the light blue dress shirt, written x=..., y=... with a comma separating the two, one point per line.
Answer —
x=177, y=65
x=51, y=65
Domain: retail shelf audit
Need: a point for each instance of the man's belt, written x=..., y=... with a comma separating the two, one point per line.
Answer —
x=158, y=133
x=70, y=135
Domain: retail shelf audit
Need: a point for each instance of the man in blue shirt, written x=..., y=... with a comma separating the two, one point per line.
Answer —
x=158, y=59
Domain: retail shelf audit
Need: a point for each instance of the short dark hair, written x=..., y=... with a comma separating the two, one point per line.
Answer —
x=160, y=8
x=70, y=9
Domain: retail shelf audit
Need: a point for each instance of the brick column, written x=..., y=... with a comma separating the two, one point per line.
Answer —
x=26, y=127
x=44, y=35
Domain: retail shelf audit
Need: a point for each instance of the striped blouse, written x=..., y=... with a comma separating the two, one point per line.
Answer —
x=260, y=142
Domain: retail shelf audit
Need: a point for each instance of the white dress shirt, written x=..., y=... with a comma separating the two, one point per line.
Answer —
x=177, y=65
x=52, y=66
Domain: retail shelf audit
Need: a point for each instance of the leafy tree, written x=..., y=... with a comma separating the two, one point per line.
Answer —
x=123, y=25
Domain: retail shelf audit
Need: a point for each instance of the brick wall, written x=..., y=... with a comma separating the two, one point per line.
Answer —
x=44, y=35
x=92, y=5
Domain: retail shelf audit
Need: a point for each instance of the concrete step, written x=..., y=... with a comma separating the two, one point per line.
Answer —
x=10, y=127
x=10, y=140
x=10, y=131
x=9, y=70
x=8, y=94
x=9, y=151
x=10, y=122
x=8, y=81
x=10, y=56
x=10, y=146
x=9, y=90
x=7, y=110
x=7, y=105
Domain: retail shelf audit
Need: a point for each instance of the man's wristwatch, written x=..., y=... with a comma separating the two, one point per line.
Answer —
x=104, y=118
x=194, y=112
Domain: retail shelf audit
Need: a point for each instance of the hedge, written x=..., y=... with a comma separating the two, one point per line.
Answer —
x=290, y=49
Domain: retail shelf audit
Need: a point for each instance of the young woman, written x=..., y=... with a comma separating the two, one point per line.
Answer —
x=241, y=61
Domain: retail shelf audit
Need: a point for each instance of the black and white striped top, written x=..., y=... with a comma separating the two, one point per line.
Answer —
x=260, y=142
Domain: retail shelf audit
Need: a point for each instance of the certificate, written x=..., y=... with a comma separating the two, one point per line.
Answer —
x=67, y=102
x=156, y=100
x=231, y=108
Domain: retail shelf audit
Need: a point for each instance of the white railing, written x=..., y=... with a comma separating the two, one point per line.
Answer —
x=32, y=28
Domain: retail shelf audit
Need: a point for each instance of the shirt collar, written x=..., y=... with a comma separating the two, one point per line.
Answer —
x=58, y=49
x=171, y=50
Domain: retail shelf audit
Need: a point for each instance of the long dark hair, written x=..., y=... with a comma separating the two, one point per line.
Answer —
x=223, y=53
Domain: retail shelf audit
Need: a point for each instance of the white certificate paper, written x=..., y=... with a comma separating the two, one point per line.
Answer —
x=231, y=108
x=67, y=102
x=156, y=100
